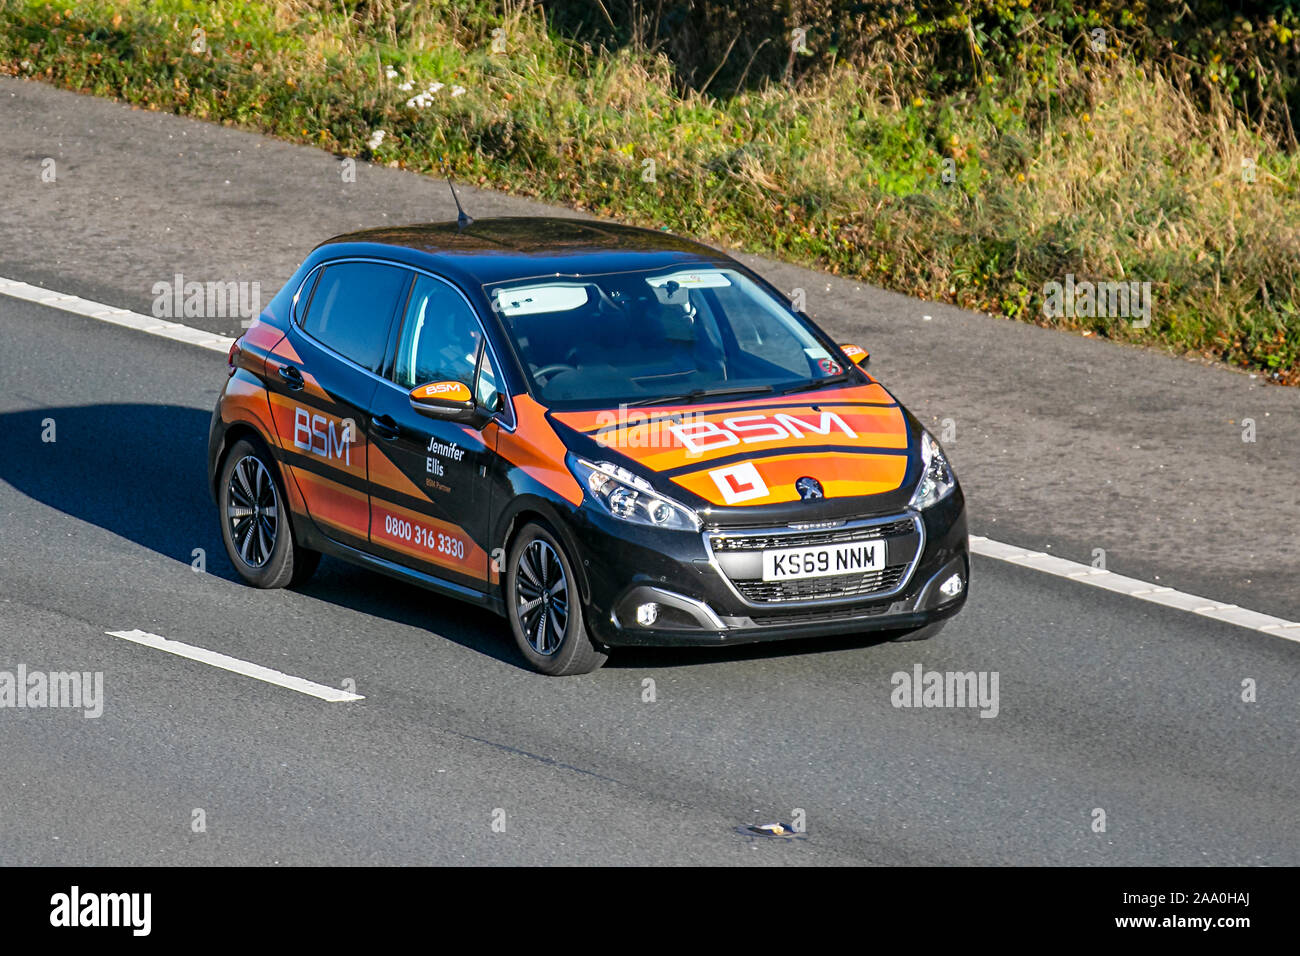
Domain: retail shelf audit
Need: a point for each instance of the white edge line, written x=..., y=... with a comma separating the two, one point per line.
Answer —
x=235, y=665
x=1132, y=587
x=1038, y=560
x=124, y=317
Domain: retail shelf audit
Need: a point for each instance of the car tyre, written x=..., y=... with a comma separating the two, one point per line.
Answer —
x=545, y=608
x=255, y=524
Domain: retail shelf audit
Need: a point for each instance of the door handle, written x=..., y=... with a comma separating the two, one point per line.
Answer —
x=384, y=427
x=291, y=377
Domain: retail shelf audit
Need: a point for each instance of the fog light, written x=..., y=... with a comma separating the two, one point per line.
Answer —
x=647, y=614
x=953, y=586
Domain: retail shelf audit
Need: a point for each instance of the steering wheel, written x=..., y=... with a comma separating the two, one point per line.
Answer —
x=546, y=371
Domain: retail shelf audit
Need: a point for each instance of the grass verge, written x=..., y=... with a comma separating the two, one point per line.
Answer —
x=1095, y=166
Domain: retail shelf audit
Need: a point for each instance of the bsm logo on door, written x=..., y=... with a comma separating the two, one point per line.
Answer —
x=320, y=435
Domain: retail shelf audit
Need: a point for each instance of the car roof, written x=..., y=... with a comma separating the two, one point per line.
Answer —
x=520, y=247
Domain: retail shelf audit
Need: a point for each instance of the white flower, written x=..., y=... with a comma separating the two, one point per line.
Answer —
x=405, y=87
x=376, y=138
x=421, y=100
x=457, y=90
x=390, y=73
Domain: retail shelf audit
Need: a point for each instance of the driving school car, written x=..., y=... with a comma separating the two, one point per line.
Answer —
x=607, y=435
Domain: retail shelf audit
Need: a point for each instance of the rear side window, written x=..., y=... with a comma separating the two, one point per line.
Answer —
x=352, y=307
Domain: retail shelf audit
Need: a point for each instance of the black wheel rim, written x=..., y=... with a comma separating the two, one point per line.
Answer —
x=252, y=511
x=542, y=597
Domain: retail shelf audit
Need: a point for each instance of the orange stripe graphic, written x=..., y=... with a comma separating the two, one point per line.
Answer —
x=333, y=504
x=262, y=336
x=427, y=539
x=534, y=447
x=587, y=421
x=386, y=476
x=841, y=476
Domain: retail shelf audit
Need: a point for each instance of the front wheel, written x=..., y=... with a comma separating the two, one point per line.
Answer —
x=544, y=606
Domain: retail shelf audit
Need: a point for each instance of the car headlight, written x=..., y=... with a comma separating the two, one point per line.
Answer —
x=937, y=480
x=630, y=497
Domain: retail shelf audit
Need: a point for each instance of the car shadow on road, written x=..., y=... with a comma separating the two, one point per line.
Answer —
x=140, y=472
x=663, y=657
x=133, y=469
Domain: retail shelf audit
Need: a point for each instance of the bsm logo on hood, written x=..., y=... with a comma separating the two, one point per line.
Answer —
x=759, y=453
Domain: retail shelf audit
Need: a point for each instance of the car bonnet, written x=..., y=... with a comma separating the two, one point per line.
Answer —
x=828, y=443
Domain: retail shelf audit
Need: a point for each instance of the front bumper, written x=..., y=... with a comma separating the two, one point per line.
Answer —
x=699, y=603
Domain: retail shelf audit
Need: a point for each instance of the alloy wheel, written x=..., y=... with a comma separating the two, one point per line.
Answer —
x=543, y=597
x=252, y=510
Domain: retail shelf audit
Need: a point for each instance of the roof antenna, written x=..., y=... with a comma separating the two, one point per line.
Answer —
x=462, y=220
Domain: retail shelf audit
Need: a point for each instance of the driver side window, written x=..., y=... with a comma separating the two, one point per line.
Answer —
x=440, y=337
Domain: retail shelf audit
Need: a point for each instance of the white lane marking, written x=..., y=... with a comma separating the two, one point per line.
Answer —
x=332, y=694
x=1085, y=574
x=987, y=547
x=123, y=317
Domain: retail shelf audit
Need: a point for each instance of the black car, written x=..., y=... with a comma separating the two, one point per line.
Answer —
x=609, y=435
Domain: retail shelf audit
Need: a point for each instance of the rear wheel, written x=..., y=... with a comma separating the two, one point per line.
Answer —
x=255, y=526
x=544, y=607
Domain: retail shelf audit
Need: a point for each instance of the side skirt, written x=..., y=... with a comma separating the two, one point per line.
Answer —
x=326, y=545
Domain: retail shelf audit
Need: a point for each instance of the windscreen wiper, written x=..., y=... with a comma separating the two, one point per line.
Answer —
x=817, y=383
x=702, y=393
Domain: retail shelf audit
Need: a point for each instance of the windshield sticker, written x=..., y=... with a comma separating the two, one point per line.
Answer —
x=692, y=280
x=539, y=299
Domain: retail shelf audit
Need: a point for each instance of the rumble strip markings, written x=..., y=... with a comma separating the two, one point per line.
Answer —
x=234, y=664
x=1049, y=564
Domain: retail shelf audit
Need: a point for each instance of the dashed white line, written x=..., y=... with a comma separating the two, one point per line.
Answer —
x=1134, y=588
x=1039, y=561
x=235, y=665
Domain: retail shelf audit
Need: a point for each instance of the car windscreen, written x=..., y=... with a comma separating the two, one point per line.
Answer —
x=643, y=337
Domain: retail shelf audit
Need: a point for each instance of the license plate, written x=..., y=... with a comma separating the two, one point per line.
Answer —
x=790, y=563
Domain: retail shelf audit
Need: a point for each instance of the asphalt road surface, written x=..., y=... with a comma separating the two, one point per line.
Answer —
x=1105, y=703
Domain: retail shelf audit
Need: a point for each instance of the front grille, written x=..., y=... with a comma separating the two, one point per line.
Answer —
x=810, y=538
x=739, y=554
x=820, y=589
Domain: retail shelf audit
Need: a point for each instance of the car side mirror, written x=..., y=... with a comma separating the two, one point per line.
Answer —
x=450, y=401
x=857, y=355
